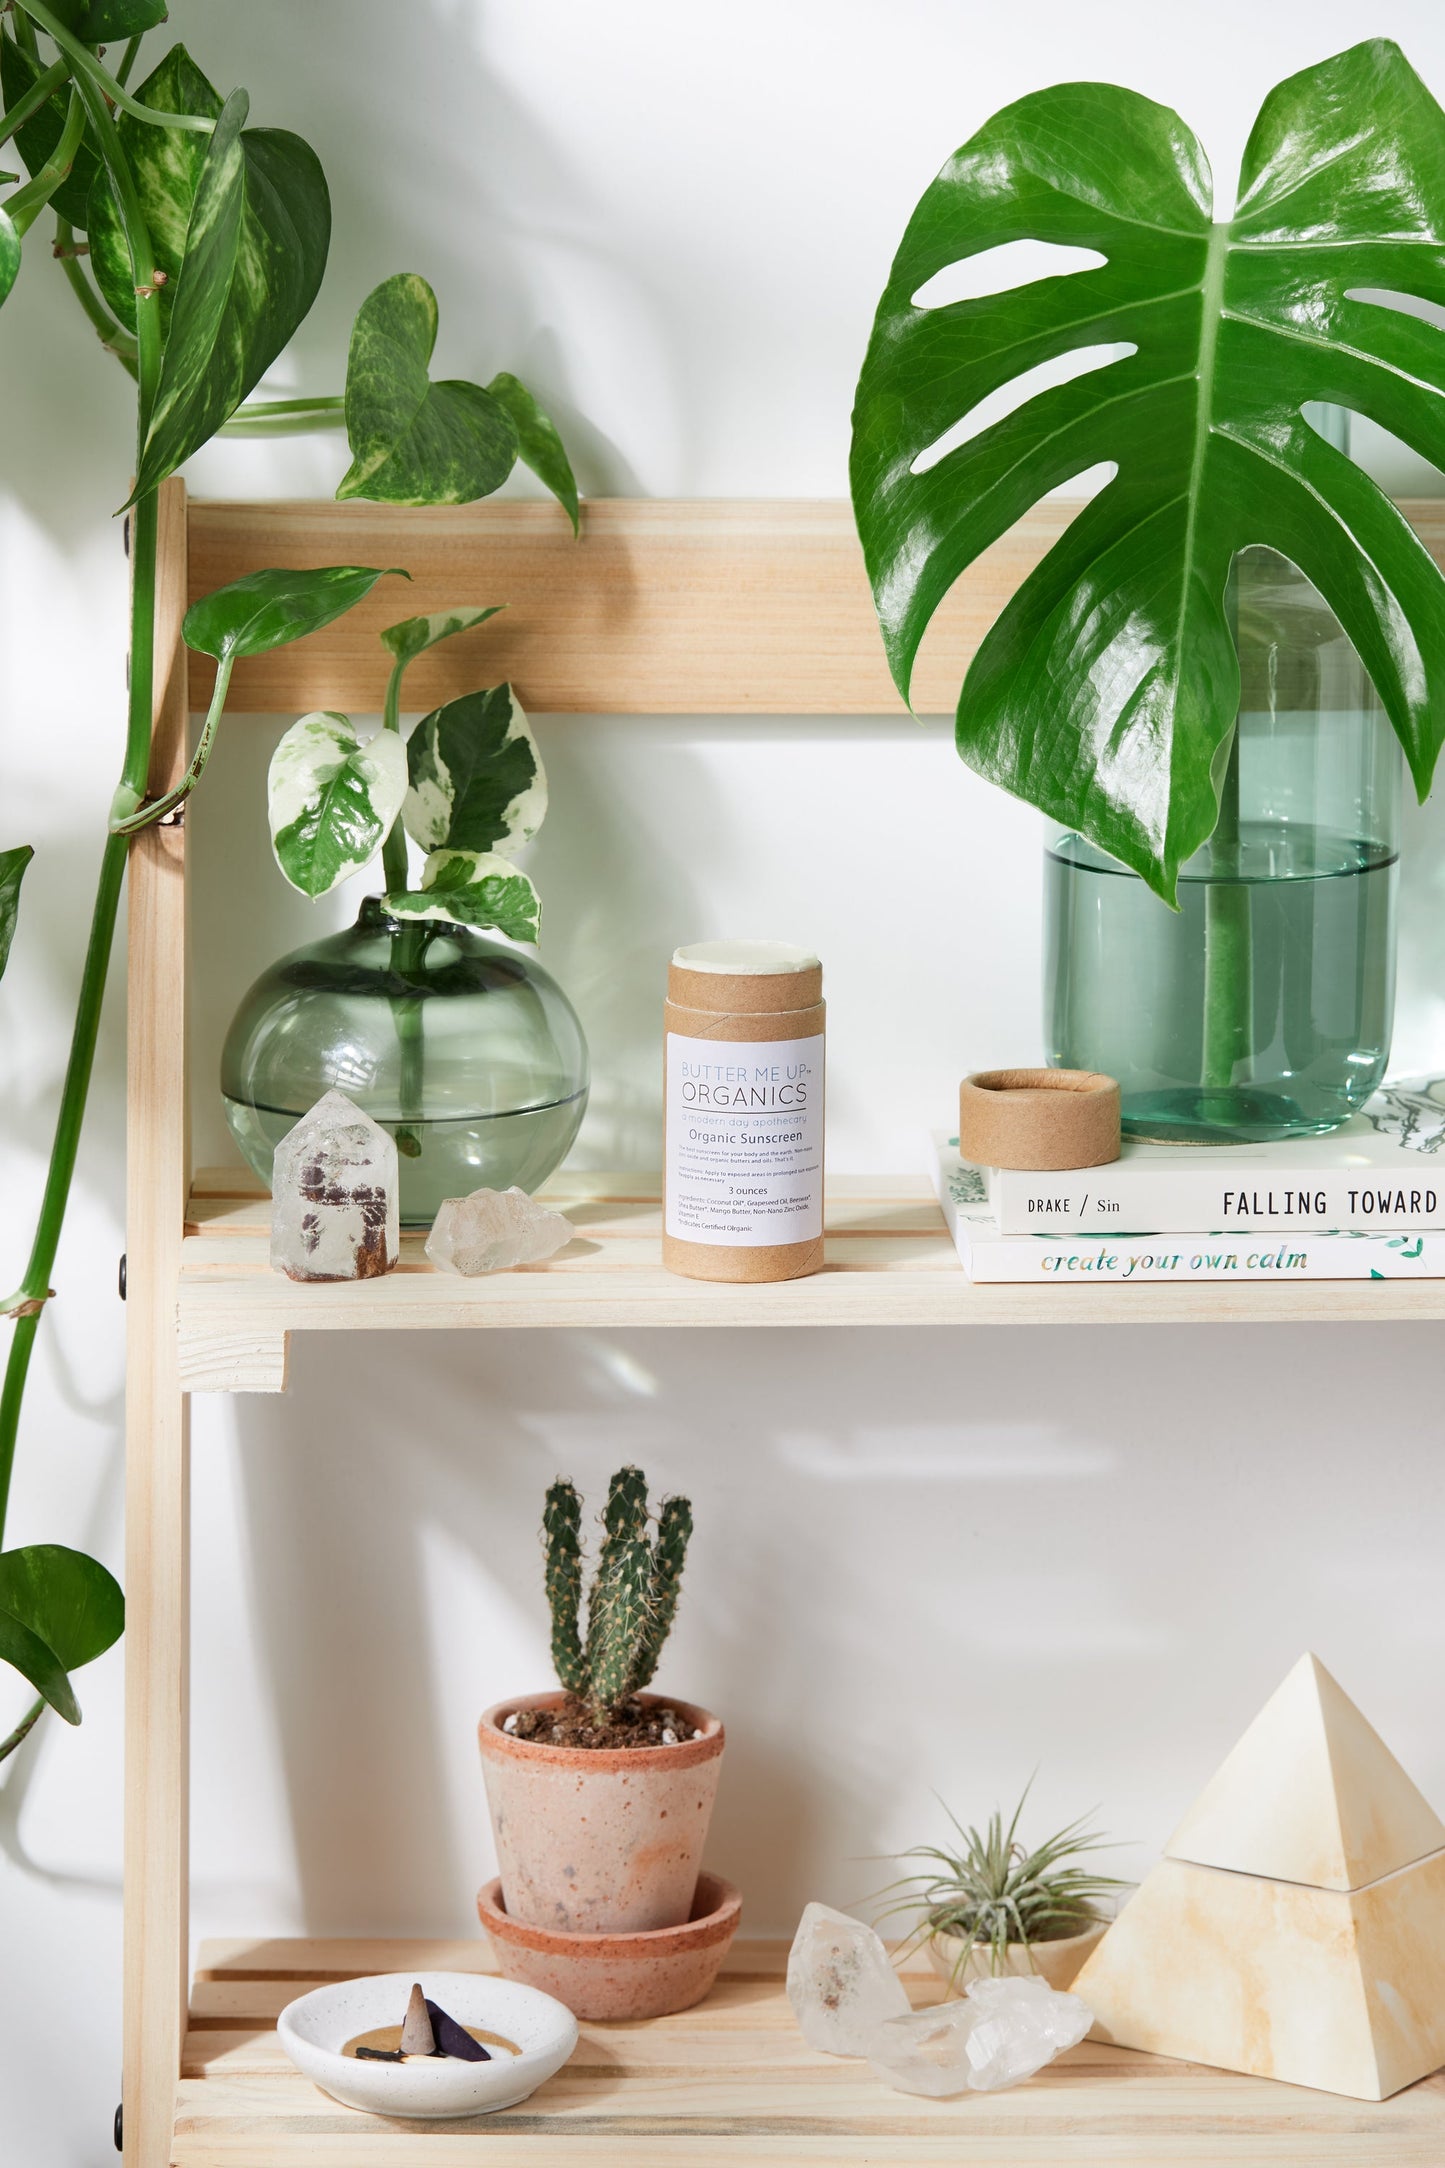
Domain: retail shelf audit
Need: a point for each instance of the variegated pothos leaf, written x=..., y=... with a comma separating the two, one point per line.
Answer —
x=414, y=635
x=413, y=441
x=332, y=799
x=474, y=888
x=477, y=781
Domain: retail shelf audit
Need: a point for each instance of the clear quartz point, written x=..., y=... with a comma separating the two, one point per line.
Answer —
x=334, y=1195
x=840, y=1983
x=1002, y=2032
x=492, y=1230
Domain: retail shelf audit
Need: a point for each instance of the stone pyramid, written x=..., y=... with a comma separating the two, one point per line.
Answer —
x=1295, y=1928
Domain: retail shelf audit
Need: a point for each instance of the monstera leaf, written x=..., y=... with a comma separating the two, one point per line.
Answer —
x=1106, y=691
x=240, y=222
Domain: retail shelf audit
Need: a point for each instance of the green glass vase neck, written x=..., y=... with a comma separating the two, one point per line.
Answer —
x=374, y=917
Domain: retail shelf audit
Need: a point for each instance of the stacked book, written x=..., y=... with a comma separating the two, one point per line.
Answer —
x=1366, y=1202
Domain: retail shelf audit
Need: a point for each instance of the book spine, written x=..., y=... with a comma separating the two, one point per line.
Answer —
x=989, y=1256
x=1240, y=1200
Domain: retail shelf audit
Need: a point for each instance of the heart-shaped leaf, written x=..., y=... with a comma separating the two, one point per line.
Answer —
x=474, y=888
x=414, y=635
x=241, y=223
x=58, y=1610
x=9, y=254
x=268, y=609
x=12, y=873
x=539, y=445
x=1106, y=689
x=38, y=136
x=332, y=799
x=166, y=165
x=477, y=780
x=96, y=20
x=412, y=441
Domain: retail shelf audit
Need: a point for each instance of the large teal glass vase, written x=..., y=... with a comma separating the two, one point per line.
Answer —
x=1262, y=1009
x=464, y=1048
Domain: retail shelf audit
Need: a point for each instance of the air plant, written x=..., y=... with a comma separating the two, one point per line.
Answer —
x=990, y=1893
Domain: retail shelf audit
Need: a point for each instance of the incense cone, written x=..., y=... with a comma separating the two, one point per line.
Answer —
x=417, y=2037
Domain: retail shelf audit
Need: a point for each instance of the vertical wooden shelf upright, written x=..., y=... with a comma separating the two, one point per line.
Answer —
x=673, y=609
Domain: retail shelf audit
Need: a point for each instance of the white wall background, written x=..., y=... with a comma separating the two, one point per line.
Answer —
x=925, y=1562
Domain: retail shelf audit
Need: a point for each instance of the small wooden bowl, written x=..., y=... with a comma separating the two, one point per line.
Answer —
x=1038, y=1119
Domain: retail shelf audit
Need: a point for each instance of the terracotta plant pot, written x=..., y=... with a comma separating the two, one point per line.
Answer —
x=619, y=1976
x=602, y=1840
x=1057, y=1962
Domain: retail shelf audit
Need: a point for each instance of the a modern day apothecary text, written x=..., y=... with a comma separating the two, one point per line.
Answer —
x=744, y=1140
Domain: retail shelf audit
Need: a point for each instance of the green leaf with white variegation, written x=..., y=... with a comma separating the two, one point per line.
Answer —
x=414, y=635
x=539, y=445
x=256, y=246
x=332, y=799
x=12, y=873
x=38, y=136
x=474, y=888
x=166, y=166
x=59, y=1609
x=240, y=223
x=413, y=441
x=267, y=609
x=477, y=780
x=9, y=254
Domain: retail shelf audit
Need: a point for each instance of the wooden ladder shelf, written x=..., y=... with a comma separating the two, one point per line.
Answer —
x=704, y=608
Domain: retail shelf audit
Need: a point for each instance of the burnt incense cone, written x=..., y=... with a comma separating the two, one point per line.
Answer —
x=417, y=2036
x=1038, y=1120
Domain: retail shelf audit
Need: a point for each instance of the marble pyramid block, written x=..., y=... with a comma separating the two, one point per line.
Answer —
x=1295, y=1928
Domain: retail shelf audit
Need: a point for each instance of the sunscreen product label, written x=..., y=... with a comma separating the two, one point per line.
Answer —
x=744, y=1140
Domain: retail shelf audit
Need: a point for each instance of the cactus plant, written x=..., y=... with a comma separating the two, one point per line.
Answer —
x=633, y=1597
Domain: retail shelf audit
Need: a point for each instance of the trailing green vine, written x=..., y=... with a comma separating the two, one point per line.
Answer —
x=205, y=242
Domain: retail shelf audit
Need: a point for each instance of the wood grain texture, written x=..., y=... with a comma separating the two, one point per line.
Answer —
x=889, y=1262
x=733, y=2081
x=708, y=607
x=157, y=1505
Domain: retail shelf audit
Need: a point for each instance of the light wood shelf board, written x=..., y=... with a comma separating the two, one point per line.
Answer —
x=700, y=607
x=889, y=1262
x=732, y=2080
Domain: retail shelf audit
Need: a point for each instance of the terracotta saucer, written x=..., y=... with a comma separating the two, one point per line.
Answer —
x=647, y=1974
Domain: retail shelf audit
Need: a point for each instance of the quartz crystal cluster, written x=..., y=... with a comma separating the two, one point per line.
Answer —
x=848, y=2000
x=492, y=1230
x=334, y=1196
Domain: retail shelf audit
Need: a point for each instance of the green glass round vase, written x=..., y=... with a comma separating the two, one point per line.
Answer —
x=1262, y=1009
x=464, y=1048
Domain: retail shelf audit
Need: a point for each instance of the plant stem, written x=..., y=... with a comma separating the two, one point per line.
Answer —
x=42, y=88
x=145, y=816
x=22, y=1730
x=27, y=203
x=283, y=417
x=113, y=338
x=408, y=947
x=83, y=59
x=35, y=1286
x=1228, y=978
x=127, y=58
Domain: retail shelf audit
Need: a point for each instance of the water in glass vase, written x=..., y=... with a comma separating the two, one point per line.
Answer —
x=1260, y=1010
x=464, y=1048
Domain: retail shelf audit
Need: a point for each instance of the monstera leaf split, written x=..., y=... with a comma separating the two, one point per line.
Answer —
x=1107, y=689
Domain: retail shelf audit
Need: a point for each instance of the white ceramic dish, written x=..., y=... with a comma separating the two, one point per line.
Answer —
x=316, y=2027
